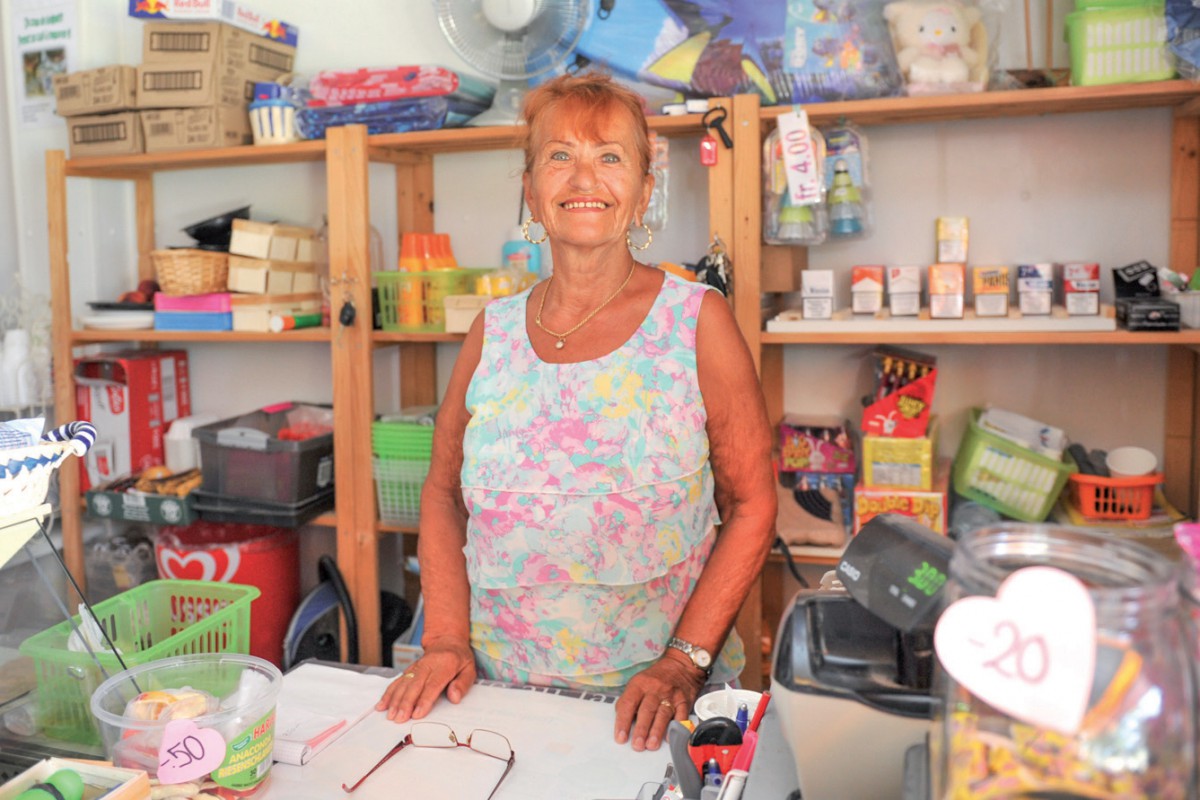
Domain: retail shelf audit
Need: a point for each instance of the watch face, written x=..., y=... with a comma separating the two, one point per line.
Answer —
x=701, y=658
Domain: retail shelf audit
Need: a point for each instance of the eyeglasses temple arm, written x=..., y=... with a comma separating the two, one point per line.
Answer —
x=407, y=740
x=512, y=759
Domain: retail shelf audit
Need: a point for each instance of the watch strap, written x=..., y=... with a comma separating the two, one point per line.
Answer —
x=690, y=650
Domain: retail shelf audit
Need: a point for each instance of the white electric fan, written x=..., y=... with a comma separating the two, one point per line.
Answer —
x=512, y=40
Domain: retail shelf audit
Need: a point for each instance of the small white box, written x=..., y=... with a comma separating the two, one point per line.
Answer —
x=817, y=307
x=1035, y=302
x=905, y=304
x=461, y=310
x=904, y=280
x=816, y=283
x=991, y=305
x=945, y=306
x=863, y=302
x=1083, y=303
x=1189, y=307
x=181, y=448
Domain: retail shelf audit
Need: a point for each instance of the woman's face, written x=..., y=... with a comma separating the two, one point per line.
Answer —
x=586, y=188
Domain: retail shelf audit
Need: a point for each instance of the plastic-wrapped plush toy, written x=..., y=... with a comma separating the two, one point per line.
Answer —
x=941, y=47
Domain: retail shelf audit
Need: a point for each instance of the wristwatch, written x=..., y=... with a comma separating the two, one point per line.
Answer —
x=699, y=656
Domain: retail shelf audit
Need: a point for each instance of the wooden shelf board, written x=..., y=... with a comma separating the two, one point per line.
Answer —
x=1012, y=103
x=390, y=337
x=1189, y=337
x=809, y=554
x=250, y=155
x=392, y=527
x=225, y=337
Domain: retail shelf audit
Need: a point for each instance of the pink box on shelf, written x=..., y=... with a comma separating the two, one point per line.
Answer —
x=218, y=302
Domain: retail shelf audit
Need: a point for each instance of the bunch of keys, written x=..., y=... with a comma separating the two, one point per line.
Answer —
x=714, y=119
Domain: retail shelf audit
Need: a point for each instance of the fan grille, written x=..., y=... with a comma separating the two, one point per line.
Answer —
x=543, y=44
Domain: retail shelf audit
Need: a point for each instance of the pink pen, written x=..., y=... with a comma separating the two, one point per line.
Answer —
x=745, y=753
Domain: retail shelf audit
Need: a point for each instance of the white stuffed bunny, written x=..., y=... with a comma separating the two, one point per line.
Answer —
x=933, y=40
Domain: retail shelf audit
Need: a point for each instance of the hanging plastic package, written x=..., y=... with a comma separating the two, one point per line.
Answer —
x=802, y=51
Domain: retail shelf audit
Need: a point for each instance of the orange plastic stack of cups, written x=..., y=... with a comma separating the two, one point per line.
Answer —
x=422, y=252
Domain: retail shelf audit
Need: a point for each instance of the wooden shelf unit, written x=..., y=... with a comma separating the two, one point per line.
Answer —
x=750, y=124
x=347, y=153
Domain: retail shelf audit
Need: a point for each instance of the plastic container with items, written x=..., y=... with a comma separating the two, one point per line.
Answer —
x=149, y=622
x=433, y=287
x=192, y=720
x=1002, y=475
x=279, y=454
x=1118, y=42
x=1089, y=692
x=402, y=452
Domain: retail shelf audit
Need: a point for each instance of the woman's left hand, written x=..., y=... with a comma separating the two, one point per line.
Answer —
x=658, y=694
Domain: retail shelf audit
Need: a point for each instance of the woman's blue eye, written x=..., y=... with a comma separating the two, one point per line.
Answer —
x=558, y=155
x=611, y=158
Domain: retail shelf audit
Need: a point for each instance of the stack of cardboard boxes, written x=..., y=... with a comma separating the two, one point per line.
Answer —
x=191, y=91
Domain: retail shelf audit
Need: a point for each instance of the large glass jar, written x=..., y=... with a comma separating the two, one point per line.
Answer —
x=1138, y=737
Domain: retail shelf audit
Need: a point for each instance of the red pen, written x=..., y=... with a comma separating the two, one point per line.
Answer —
x=759, y=710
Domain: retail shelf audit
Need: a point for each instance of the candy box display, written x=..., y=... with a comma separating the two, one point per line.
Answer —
x=815, y=444
x=929, y=507
x=198, y=722
x=900, y=399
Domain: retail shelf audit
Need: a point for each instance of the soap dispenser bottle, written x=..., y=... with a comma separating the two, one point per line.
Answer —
x=520, y=254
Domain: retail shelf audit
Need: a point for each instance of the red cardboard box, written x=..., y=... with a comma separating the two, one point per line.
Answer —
x=928, y=507
x=130, y=397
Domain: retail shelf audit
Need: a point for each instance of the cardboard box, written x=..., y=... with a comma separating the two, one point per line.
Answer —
x=462, y=309
x=1081, y=288
x=904, y=291
x=866, y=289
x=818, y=509
x=229, y=11
x=192, y=84
x=1147, y=314
x=900, y=463
x=269, y=240
x=105, y=135
x=952, y=239
x=810, y=443
x=1139, y=279
x=253, y=312
x=132, y=506
x=816, y=283
x=947, y=286
x=99, y=780
x=990, y=285
x=130, y=397
x=169, y=130
x=225, y=47
x=930, y=508
x=95, y=91
x=1035, y=288
x=268, y=277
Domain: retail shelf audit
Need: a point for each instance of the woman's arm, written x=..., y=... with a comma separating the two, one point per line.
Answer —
x=740, y=446
x=447, y=663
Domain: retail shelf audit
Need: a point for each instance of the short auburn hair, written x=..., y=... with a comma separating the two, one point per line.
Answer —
x=593, y=97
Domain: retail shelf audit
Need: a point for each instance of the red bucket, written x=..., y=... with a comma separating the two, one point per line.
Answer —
x=255, y=555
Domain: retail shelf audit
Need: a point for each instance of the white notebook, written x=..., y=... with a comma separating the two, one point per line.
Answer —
x=317, y=705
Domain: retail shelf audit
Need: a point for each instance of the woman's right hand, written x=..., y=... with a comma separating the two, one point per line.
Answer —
x=445, y=666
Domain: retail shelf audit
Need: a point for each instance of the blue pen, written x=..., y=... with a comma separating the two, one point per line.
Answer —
x=743, y=716
x=712, y=773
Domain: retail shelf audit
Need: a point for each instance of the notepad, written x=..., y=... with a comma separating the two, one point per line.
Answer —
x=319, y=704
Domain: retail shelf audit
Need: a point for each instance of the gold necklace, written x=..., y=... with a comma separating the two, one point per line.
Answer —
x=562, y=337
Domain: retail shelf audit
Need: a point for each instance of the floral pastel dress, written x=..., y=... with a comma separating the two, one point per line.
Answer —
x=590, y=499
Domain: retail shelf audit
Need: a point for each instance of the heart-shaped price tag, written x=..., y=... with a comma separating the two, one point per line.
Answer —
x=1030, y=651
x=188, y=752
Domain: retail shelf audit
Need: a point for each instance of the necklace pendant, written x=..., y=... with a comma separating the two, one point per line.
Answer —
x=560, y=344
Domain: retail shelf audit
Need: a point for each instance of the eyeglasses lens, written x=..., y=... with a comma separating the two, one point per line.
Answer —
x=490, y=743
x=432, y=734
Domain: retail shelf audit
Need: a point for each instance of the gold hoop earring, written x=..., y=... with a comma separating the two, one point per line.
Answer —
x=525, y=231
x=649, y=237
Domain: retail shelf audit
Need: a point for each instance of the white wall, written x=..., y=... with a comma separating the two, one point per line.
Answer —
x=1086, y=187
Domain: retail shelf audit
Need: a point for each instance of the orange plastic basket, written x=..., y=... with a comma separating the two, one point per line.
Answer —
x=1114, y=498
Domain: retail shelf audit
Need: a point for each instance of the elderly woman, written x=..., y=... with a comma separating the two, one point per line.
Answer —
x=595, y=431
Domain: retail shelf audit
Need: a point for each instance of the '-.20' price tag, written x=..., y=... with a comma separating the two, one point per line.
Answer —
x=1030, y=651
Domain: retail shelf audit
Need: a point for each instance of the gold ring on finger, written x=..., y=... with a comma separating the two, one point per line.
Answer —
x=409, y=675
x=667, y=704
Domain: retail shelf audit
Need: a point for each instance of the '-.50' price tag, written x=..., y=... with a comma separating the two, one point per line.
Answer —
x=188, y=752
x=1030, y=651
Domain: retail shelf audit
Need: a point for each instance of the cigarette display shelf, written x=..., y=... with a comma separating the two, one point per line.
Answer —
x=347, y=154
x=758, y=266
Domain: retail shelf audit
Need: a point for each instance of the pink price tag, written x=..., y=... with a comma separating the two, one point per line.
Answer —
x=188, y=752
x=1030, y=651
x=708, y=151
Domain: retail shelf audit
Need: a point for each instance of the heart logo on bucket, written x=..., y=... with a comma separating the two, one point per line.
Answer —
x=188, y=752
x=1030, y=651
x=216, y=564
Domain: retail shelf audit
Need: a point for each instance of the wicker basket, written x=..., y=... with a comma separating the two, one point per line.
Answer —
x=25, y=471
x=187, y=271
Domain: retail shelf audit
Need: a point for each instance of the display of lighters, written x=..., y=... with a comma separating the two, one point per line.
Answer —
x=899, y=402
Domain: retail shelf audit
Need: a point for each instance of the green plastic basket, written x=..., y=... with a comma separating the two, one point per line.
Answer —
x=1119, y=44
x=398, y=483
x=414, y=302
x=1006, y=477
x=153, y=621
